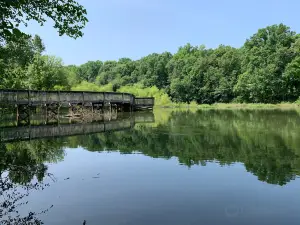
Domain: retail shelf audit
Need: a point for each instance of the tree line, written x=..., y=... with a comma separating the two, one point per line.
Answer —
x=266, y=69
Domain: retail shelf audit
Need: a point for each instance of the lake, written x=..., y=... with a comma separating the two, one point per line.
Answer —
x=166, y=167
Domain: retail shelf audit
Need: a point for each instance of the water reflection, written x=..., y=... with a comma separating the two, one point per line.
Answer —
x=265, y=142
x=26, y=151
x=22, y=171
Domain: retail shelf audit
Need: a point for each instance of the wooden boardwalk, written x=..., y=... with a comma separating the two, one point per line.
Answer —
x=78, y=102
x=67, y=98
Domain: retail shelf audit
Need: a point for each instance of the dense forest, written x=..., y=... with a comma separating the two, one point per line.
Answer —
x=266, y=69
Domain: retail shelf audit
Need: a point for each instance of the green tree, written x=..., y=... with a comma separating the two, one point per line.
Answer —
x=204, y=75
x=89, y=71
x=123, y=72
x=265, y=57
x=181, y=72
x=292, y=73
x=218, y=73
x=45, y=73
x=106, y=74
x=69, y=17
x=151, y=70
x=292, y=78
x=14, y=60
x=71, y=72
x=38, y=45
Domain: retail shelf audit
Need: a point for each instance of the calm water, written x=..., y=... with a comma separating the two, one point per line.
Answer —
x=205, y=167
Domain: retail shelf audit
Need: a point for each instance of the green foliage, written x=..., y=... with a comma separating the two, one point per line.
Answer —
x=89, y=71
x=292, y=78
x=161, y=98
x=265, y=57
x=15, y=58
x=68, y=16
x=22, y=66
x=298, y=101
x=265, y=70
x=45, y=73
x=86, y=86
x=72, y=75
x=204, y=75
x=152, y=70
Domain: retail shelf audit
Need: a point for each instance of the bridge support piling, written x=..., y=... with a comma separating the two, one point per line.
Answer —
x=75, y=109
x=97, y=108
x=52, y=112
x=23, y=114
x=87, y=112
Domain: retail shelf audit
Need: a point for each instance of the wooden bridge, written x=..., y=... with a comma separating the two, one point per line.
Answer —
x=65, y=98
x=78, y=102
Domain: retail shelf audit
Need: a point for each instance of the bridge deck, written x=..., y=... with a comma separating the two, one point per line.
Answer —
x=142, y=103
x=48, y=97
x=65, y=98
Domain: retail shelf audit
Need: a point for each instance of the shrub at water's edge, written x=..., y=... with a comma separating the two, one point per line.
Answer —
x=86, y=86
x=161, y=98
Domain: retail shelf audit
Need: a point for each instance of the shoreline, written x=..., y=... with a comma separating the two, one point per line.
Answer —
x=230, y=106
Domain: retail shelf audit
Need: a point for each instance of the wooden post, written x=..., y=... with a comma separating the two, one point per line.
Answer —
x=82, y=98
x=16, y=97
x=133, y=102
x=23, y=114
x=28, y=97
x=59, y=97
x=47, y=116
x=17, y=113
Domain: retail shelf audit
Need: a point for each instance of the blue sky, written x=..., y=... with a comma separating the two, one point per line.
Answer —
x=136, y=28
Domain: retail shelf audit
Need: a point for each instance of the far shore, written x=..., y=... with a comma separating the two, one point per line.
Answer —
x=230, y=106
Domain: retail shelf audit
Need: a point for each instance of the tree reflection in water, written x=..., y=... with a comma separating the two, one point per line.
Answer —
x=266, y=142
x=23, y=171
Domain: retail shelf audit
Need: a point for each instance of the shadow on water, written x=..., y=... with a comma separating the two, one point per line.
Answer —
x=266, y=142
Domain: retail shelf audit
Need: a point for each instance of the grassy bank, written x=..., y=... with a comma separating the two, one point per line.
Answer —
x=231, y=106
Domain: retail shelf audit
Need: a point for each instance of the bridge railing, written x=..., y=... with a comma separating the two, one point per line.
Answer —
x=37, y=96
x=10, y=96
x=63, y=97
x=149, y=101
